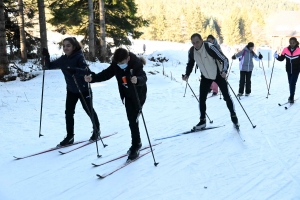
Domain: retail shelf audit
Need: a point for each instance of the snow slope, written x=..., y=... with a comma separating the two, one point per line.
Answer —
x=213, y=164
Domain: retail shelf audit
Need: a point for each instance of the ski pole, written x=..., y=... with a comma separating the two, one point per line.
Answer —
x=41, y=111
x=89, y=113
x=264, y=74
x=198, y=101
x=141, y=112
x=271, y=78
x=268, y=59
x=229, y=70
x=241, y=104
x=185, y=89
x=93, y=119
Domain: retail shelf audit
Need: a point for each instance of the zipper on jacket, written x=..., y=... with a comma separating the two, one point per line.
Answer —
x=249, y=61
x=291, y=65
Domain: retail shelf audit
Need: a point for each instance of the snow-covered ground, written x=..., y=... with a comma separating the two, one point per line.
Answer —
x=213, y=164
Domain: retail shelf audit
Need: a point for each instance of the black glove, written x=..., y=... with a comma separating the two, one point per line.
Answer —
x=233, y=57
x=71, y=70
x=89, y=72
x=45, y=52
x=260, y=56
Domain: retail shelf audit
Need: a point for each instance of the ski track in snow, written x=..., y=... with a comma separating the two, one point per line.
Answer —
x=212, y=164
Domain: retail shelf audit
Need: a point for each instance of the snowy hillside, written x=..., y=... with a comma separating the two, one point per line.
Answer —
x=213, y=164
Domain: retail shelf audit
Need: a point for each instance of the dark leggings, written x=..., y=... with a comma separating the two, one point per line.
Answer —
x=132, y=115
x=204, y=88
x=292, y=82
x=71, y=102
x=245, y=77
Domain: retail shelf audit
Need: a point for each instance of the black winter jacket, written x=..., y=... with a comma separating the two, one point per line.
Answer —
x=127, y=91
x=75, y=61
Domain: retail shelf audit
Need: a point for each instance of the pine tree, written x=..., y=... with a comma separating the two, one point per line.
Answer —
x=231, y=28
x=3, y=55
x=210, y=29
x=120, y=19
x=158, y=23
x=245, y=27
x=196, y=20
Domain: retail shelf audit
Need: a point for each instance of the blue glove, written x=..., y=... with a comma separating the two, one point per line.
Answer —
x=275, y=54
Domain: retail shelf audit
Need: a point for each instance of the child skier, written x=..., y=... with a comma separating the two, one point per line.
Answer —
x=246, y=66
x=73, y=63
x=128, y=70
x=292, y=56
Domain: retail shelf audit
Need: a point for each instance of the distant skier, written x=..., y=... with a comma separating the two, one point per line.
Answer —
x=73, y=63
x=292, y=56
x=144, y=48
x=246, y=66
x=128, y=70
x=213, y=40
x=206, y=56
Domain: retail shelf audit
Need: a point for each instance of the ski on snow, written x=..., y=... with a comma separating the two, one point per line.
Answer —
x=239, y=132
x=56, y=148
x=88, y=143
x=124, y=155
x=121, y=166
x=191, y=131
x=288, y=106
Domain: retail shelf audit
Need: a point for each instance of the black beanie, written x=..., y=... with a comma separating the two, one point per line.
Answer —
x=250, y=44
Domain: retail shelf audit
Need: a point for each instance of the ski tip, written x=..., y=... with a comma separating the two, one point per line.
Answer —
x=62, y=153
x=17, y=158
x=279, y=104
x=95, y=165
x=286, y=108
x=100, y=176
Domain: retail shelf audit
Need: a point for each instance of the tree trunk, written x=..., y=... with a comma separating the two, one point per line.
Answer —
x=42, y=21
x=91, y=31
x=3, y=55
x=22, y=33
x=102, y=32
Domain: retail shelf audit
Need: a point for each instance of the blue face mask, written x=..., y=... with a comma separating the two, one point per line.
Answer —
x=123, y=66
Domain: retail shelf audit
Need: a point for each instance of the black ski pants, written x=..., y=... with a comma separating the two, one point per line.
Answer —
x=292, y=82
x=245, y=76
x=71, y=102
x=132, y=116
x=204, y=88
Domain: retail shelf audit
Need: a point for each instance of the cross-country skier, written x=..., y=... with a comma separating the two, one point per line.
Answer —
x=246, y=66
x=292, y=56
x=213, y=40
x=128, y=70
x=73, y=63
x=206, y=56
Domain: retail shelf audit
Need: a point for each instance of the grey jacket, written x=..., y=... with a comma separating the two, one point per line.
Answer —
x=246, y=59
